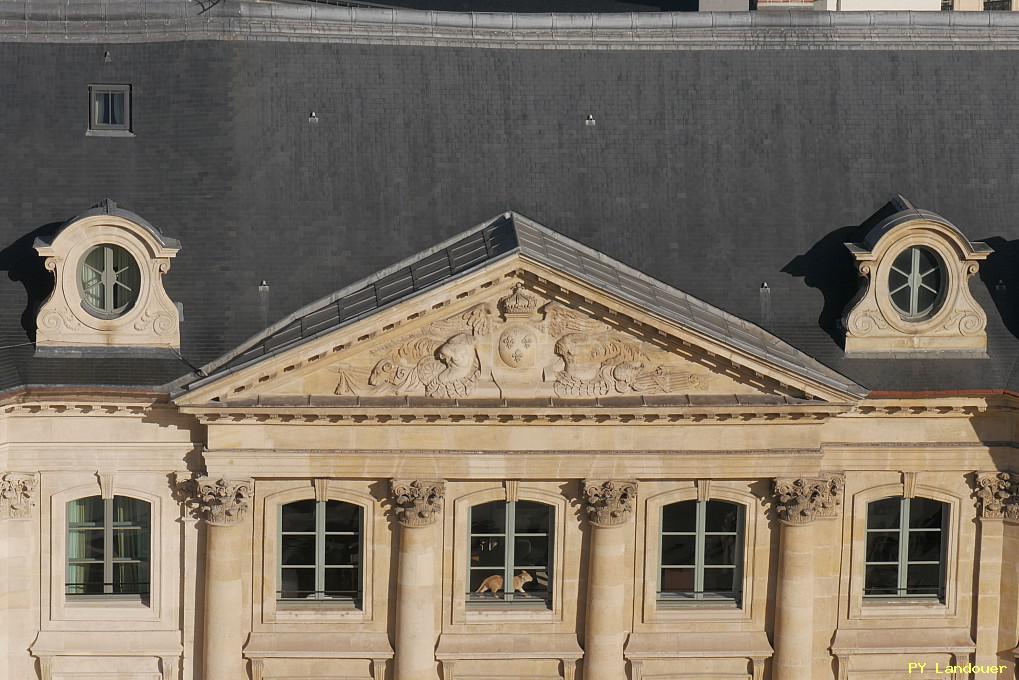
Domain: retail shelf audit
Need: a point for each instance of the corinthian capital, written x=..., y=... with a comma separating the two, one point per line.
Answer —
x=220, y=502
x=17, y=495
x=417, y=502
x=998, y=493
x=609, y=503
x=802, y=500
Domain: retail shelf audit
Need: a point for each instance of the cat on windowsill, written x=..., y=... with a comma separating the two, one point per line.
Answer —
x=493, y=584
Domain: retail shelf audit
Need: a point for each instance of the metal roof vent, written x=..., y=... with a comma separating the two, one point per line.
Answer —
x=312, y=117
x=589, y=121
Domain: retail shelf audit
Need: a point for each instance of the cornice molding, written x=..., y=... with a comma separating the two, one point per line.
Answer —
x=175, y=20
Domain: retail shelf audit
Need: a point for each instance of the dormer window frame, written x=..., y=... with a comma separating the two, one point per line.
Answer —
x=69, y=319
x=954, y=322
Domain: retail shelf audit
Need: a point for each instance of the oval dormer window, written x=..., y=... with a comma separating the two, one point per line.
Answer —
x=109, y=278
x=916, y=283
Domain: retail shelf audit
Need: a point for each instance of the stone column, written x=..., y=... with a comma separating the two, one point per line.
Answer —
x=18, y=493
x=417, y=505
x=998, y=503
x=609, y=508
x=223, y=504
x=798, y=503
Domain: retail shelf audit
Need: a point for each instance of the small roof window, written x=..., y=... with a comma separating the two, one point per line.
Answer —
x=109, y=110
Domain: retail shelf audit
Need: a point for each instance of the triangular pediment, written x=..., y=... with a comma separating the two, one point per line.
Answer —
x=541, y=318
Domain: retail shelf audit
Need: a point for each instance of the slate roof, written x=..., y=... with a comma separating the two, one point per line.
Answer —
x=496, y=240
x=710, y=170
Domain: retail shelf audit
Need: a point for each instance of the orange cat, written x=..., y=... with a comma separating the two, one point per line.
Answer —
x=493, y=583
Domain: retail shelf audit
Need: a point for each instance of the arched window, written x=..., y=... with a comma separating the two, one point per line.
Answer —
x=511, y=554
x=701, y=551
x=320, y=551
x=916, y=282
x=905, y=548
x=108, y=547
x=110, y=281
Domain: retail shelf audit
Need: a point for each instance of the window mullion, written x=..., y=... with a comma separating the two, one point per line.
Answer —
x=903, y=545
x=511, y=528
x=108, y=546
x=914, y=283
x=699, y=550
x=109, y=279
x=320, y=549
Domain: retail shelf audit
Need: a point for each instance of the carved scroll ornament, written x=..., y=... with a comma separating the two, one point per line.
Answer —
x=998, y=493
x=609, y=503
x=17, y=495
x=220, y=502
x=802, y=500
x=418, y=502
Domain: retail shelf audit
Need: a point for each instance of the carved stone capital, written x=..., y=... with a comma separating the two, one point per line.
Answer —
x=220, y=502
x=802, y=500
x=609, y=503
x=17, y=495
x=998, y=493
x=417, y=502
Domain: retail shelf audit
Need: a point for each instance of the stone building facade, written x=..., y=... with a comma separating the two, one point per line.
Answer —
x=746, y=445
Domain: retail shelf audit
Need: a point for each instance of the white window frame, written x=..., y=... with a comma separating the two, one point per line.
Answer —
x=700, y=533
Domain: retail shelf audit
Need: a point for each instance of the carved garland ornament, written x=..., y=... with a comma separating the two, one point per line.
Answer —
x=802, y=500
x=417, y=503
x=998, y=493
x=609, y=503
x=220, y=502
x=533, y=342
x=17, y=495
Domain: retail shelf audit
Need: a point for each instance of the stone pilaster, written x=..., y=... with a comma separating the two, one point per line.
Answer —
x=223, y=504
x=18, y=574
x=798, y=503
x=609, y=506
x=998, y=498
x=417, y=506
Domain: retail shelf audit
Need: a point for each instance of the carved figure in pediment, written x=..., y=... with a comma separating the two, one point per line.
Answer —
x=445, y=365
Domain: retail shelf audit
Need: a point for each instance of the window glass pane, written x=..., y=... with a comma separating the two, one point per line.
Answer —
x=924, y=513
x=298, y=550
x=342, y=516
x=923, y=579
x=131, y=578
x=680, y=516
x=924, y=546
x=130, y=512
x=341, y=550
x=489, y=579
x=882, y=580
x=677, y=550
x=721, y=516
x=719, y=580
x=678, y=580
x=489, y=518
x=298, y=583
x=116, y=108
x=299, y=516
x=883, y=514
x=488, y=551
x=532, y=518
x=85, y=512
x=85, y=544
x=530, y=551
x=341, y=583
x=130, y=544
x=882, y=546
x=85, y=579
x=539, y=585
x=127, y=278
x=720, y=550
x=91, y=277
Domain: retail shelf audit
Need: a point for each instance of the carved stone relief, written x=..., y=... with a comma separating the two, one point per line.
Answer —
x=17, y=495
x=418, y=502
x=998, y=493
x=802, y=500
x=522, y=346
x=220, y=502
x=609, y=503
